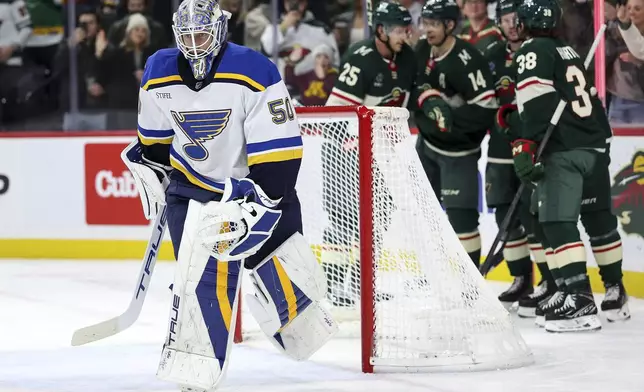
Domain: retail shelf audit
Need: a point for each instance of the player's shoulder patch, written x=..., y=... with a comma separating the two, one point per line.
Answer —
x=540, y=46
x=244, y=66
x=161, y=69
x=360, y=49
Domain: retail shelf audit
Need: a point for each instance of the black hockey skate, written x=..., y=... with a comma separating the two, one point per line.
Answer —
x=615, y=303
x=578, y=313
x=528, y=304
x=548, y=305
x=521, y=287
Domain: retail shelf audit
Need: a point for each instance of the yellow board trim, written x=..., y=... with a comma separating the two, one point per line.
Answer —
x=222, y=293
x=150, y=141
x=165, y=79
x=275, y=156
x=287, y=286
x=243, y=78
x=82, y=250
x=194, y=180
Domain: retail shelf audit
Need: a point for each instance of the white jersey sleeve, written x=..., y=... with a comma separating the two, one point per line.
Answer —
x=152, y=125
x=273, y=141
x=22, y=20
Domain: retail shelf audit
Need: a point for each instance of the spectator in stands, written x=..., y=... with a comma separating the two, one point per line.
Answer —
x=631, y=26
x=298, y=28
x=84, y=39
x=312, y=88
x=255, y=22
x=624, y=80
x=158, y=35
x=349, y=27
x=577, y=27
x=48, y=31
x=15, y=30
x=109, y=13
x=120, y=69
x=236, y=21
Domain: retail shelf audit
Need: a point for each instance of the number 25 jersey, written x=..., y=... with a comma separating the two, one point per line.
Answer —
x=547, y=71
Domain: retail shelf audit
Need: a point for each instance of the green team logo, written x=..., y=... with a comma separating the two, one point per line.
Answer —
x=395, y=98
x=628, y=196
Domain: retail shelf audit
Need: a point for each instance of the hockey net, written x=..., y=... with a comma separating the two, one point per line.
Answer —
x=397, y=275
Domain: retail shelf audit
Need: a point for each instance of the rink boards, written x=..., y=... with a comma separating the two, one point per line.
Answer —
x=68, y=195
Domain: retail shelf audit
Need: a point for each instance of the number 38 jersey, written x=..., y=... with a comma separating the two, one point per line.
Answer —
x=547, y=71
x=366, y=78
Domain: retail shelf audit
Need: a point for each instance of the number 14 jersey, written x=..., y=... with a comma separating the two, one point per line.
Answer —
x=547, y=71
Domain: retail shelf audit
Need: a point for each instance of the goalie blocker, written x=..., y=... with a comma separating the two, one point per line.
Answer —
x=210, y=238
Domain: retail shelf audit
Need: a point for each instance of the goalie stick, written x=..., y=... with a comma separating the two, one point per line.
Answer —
x=117, y=324
x=494, y=256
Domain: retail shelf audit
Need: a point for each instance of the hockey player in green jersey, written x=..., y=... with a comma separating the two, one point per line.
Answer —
x=547, y=71
x=501, y=182
x=456, y=107
x=479, y=30
x=378, y=71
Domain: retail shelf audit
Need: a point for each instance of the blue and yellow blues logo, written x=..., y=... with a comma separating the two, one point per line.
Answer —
x=199, y=127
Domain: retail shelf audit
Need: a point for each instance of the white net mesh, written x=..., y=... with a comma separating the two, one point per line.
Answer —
x=432, y=307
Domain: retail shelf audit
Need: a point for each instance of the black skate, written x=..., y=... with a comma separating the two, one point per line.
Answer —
x=615, y=303
x=521, y=287
x=528, y=305
x=548, y=305
x=578, y=313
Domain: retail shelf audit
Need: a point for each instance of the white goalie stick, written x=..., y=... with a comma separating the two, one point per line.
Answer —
x=495, y=256
x=119, y=323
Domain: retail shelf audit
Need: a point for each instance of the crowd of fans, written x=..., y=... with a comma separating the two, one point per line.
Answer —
x=45, y=66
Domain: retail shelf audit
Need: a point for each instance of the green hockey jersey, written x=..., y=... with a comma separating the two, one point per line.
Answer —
x=367, y=78
x=463, y=78
x=500, y=56
x=549, y=70
x=483, y=38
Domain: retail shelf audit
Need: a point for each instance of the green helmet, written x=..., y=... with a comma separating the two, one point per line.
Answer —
x=391, y=14
x=504, y=7
x=441, y=10
x=539, y=14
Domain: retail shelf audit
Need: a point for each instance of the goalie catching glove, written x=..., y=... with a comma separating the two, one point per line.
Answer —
x=238, y=226
x=151, y=178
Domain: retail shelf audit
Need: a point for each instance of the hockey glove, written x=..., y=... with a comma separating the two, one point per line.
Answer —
x=523, y=153
x=239, y=225
x=436, y=109
x=502, y=120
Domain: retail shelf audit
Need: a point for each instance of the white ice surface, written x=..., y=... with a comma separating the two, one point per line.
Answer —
x=43, y=302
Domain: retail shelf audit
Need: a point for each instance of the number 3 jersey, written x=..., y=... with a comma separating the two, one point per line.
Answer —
x=547, y=71
x=366, y=78
x=237, y=122
x=463, y=77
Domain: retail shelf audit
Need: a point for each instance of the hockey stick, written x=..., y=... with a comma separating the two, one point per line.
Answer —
x=495, y=256
x=117, y=324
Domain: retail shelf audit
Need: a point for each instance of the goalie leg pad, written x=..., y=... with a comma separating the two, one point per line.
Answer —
x=203, y=314
x=288, y=287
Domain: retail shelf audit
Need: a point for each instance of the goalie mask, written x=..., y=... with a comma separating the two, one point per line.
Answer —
x=200, y=29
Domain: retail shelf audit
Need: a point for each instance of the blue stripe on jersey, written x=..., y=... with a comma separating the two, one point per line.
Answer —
x=160, y=66
x=246, y=62
x=180, y=164
x=294, y=141
x=155, y=133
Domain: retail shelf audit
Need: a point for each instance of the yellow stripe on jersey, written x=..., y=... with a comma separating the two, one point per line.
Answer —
x=275, y=156
x=194, y=180
x=147, y=141
x=240, y=77
x=165, y=79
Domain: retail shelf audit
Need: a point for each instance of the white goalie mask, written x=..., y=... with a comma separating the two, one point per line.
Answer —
x=200, y=30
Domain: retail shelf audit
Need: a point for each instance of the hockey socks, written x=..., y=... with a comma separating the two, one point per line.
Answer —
x=606, y=244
